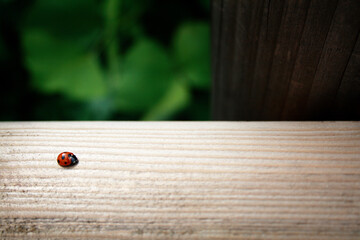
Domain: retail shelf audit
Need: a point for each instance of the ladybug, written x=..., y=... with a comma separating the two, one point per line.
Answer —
x=67, y=159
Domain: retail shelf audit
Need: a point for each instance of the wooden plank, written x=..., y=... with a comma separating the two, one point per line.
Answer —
x=312, y=41
x=182, y=180
x=247, y=40
x=284, y=60
x=349, y=90
x=285, y=54
x=221, y=51
x=336, y=54
x=271, y=20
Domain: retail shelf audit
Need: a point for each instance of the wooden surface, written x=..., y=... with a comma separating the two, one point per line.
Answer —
x=286, y=60
x=175, y=180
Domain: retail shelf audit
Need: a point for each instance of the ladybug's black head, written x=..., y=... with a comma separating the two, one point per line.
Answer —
x=74, y=160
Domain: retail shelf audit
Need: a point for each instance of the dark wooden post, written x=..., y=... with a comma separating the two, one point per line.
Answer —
x=286, y=60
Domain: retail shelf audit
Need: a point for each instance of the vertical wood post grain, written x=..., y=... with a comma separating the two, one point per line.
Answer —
x=286, y=60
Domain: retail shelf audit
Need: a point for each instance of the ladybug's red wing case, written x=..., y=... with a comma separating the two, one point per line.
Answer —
x=63, y=159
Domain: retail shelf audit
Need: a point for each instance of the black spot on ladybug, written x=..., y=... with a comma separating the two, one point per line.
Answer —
x=65, y=162
x=63, y=157
x=58, y=161
x=69, y=155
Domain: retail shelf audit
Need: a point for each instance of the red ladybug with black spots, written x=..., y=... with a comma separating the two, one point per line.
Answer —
x=67, y=159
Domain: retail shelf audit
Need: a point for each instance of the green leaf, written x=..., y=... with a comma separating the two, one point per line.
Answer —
x=175, y=100
x=61, y=67
x=81, y=78
x=144, y=78
x=192, y=53
x=57, y=39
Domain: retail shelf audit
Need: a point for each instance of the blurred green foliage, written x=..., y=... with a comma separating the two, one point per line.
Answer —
x=105, y=60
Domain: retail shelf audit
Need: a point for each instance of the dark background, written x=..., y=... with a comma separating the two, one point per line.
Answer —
x=105, y=60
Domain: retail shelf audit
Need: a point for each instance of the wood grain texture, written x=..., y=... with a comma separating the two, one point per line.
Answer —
x=348, y=91
x=181, y=180
x=316, y=29
x=285, y=60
